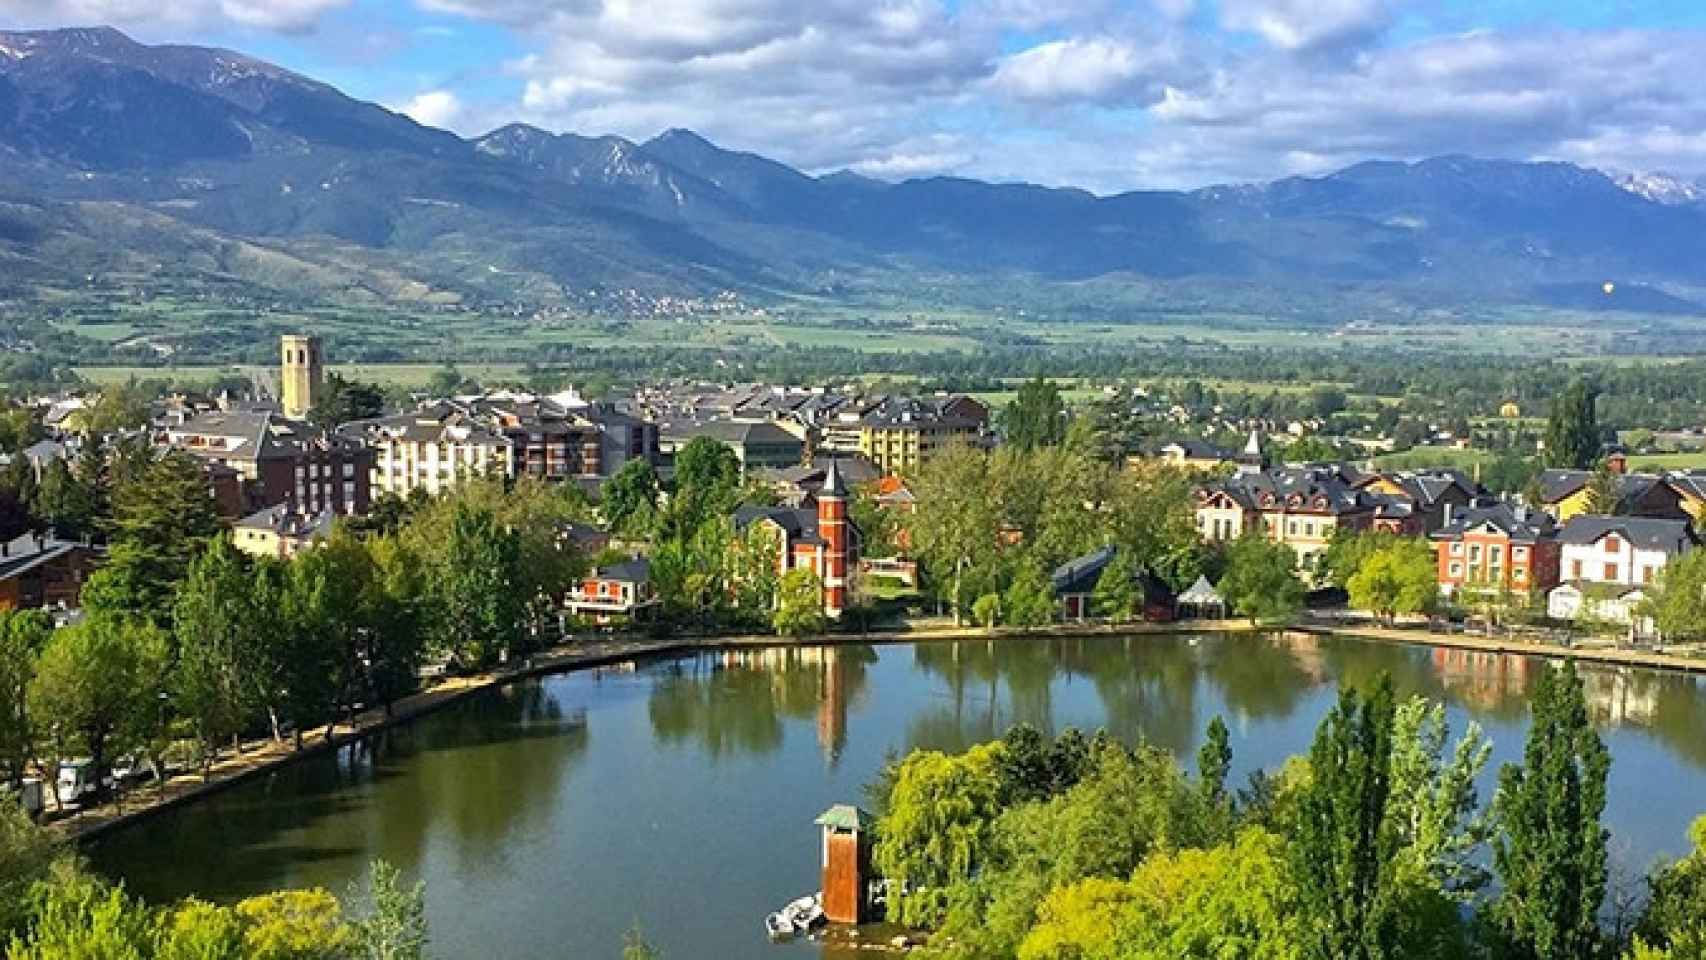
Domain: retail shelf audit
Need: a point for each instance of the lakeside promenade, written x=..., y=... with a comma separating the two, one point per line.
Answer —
x=263, y=755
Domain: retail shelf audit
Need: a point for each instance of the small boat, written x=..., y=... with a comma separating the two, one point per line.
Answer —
x=778, y=927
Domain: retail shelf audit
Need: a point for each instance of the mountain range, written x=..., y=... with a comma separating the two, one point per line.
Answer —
x=157, y=167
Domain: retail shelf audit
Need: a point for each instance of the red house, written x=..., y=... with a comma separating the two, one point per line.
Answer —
x=820, y=539
x=1497, y=547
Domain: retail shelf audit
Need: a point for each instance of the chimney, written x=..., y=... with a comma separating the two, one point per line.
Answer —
x=1447, y=513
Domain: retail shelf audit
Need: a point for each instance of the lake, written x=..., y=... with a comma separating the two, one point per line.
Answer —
x=549, y=817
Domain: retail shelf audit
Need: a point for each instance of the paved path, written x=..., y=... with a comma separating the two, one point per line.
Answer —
x=1616, y=656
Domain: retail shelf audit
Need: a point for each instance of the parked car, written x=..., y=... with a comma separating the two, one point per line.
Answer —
x=77, y=780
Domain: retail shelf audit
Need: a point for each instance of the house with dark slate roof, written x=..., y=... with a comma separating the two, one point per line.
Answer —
x=1074, y=584
x=1568, y=493
x=1627, y=551
x=1497, y=547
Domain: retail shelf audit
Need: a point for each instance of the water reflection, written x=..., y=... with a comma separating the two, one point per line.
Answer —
x=346, y=805
x=736, y=700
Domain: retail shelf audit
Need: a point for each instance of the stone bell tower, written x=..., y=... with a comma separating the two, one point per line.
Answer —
x=301, y=374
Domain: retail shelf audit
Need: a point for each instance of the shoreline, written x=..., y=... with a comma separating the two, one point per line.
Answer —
x=263, y=756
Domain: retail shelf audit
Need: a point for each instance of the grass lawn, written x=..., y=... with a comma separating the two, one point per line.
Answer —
x=1418, y=458
x=1668, y=461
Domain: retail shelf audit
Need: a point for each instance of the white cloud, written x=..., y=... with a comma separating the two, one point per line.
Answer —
x=435, y=108
x=286, y=16
x=1078, y=69
x=1309, y=24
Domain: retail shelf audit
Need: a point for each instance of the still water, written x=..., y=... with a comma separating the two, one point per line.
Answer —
x=549, y=817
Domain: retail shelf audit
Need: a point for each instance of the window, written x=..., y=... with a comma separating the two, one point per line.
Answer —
x=1575, y=569
x=1457, y=548
x=1647, y=574
x=1474, y=552
x=1612, y=544
x=1611, y=571
x=1457, y=569
x=1519, y=553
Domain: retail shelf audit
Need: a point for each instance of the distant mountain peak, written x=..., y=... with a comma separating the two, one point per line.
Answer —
x=1661, y=187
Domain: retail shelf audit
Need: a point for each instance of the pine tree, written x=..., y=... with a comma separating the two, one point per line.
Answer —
x=1343, y=847
x=1551, y=856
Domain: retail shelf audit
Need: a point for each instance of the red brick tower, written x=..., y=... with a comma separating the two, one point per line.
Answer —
x=846, y=863
x=832, y=529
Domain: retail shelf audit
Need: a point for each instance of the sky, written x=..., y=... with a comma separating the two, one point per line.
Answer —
x=1108, y=95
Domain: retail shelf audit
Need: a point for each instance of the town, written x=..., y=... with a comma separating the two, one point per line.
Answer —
x=284, y=560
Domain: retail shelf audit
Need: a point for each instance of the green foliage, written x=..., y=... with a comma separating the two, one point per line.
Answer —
x=396, y=929
x=475, y=592
x=1433, y=809
x=75, y=917
x=630, y=499
x=1674, y=921
x=938, y=831
x=707, y=484
x=294, y=925
x=1678, y=604
x=23, y=634
x=1343, y=848
x=635, y=946
x=1260, y=581
x=1399, y=577
x=1036, y=417
x=65, y=503
x=799, y=604
x=1118, y=595
x=1550, y=854
x=28, y=855
x=1572, y=430
x=1234, y=901
x=213, y=618
x=163, y=513
x=342, y=400
x=97, y=686
x=1030, y=598
x=986, y=611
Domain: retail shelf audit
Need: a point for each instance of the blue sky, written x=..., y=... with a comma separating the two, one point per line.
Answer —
x=1105, y=94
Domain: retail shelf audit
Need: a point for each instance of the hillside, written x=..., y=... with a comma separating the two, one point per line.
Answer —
x=134, y=164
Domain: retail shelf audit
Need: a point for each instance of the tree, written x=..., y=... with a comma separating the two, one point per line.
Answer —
x=394, y=620
x=97, y=683
x=1675, y=918
x=1347, y=551
x=1550, y=856
x=161, y=518
x=397, y=927
x=1605, y=495
x=1260, y=580
x=955, y=528
x=707, y=484
x=445, y=380
x=799, y=604
x=986, y=610
x=1401, y=577
x=1343, y=845
x=938, y=831
x=1234, y=901
x=294, y=925
x=476, y=596
x=117, y=409
x=1117, y=594
x=1214, y=759
x=1036, y=417
x=28, y=855
x=23, y=634
x=1152, y=518
x=1678, y=606
x=76, y=917
x=1029, y=602
x=1572, y=430
x=213, y=615
x=880, y=529
x=1433, y=808
x=64, y=503
x=635, y=946
x=342, y=401
x=631, y=499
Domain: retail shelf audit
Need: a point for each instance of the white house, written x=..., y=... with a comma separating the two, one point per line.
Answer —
x=1611, y=603
x=1622, y=551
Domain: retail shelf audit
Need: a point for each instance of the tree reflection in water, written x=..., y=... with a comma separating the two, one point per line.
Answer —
x=734, y=701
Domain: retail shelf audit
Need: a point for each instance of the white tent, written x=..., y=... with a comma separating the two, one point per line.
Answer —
x=1202, y=600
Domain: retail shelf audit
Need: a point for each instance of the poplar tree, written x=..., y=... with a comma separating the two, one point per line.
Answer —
x=1343, y=847
x=1572, y=430
x=1551, y=856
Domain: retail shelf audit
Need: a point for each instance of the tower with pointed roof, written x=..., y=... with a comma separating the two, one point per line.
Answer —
x=833, y=530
